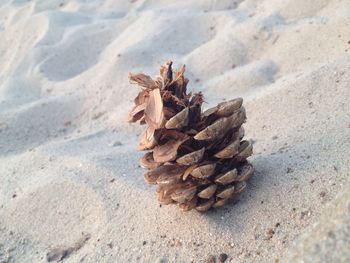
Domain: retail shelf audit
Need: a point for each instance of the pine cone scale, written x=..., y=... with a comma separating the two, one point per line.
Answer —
x=205, y=205
x=246, y=171
x=227, y=177
x=226, y=193
x=204, y=171
x=226, y=109
x=191, y=158
x=229, y=151
x=208, y=192
x=215, y=130
x=178, y=121
x=148, y=162
x=183, y=195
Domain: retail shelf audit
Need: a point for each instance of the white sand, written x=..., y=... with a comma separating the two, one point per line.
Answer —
x=68, y=162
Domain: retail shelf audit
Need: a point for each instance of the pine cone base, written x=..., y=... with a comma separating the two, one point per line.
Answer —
x=197, y=159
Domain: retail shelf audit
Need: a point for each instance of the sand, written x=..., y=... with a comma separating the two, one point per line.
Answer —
x=71, y=187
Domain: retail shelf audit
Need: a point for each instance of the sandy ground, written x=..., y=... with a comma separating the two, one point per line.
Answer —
x=69, y=174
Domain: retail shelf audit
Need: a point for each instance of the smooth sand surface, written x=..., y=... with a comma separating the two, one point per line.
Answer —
x=69, y=166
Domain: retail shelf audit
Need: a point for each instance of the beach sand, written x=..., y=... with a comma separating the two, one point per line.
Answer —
x=71, y=185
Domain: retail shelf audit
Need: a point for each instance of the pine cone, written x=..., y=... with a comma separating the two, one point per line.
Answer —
x=197, y=159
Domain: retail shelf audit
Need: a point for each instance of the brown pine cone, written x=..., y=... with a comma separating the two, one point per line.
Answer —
x=197, y=159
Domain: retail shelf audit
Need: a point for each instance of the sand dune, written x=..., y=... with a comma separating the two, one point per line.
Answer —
x=69, y=167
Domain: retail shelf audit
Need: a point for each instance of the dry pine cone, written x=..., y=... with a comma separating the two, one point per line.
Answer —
x=197, y=159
